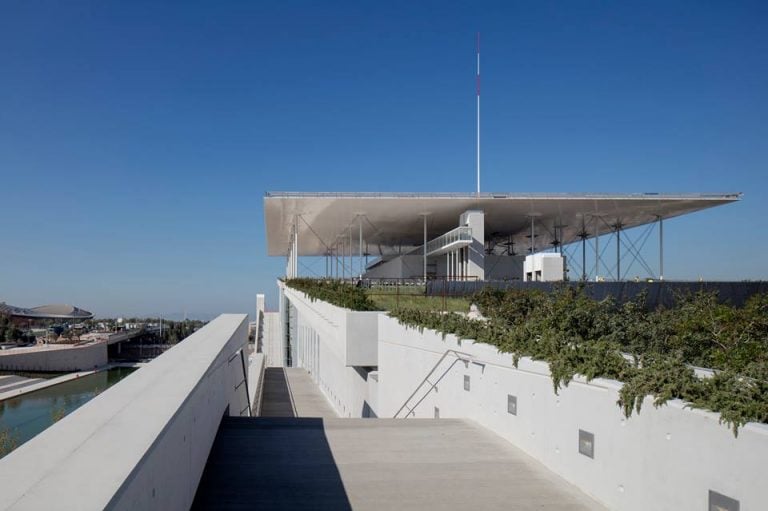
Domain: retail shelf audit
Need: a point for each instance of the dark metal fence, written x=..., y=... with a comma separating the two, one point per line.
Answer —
x=398, y=290
x=657, y=293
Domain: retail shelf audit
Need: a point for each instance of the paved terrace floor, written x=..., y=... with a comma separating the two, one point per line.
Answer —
x=308, y=459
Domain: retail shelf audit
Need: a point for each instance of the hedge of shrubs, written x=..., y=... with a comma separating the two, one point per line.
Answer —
x=651, y=351
x=578, y=335
x=334, y=292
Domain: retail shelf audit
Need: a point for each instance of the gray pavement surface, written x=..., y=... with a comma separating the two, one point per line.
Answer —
x=290, y=392
x=311, y=460
x=16, y=382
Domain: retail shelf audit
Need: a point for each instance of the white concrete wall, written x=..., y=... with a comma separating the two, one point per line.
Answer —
x=54, y=358
x=273, y=345
x=332, y=344
x=475, y=219
x=404, y=266
x=259, y=305
x=387, y=269
x=544, y=267
x=666, y=458
x=143, y=443
x=255, y=381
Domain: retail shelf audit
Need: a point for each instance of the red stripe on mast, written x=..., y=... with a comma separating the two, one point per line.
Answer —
x=478, y=63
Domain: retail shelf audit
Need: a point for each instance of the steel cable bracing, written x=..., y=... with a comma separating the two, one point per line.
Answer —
x=636, y=254
x=315, y=233
x=310, y=269
x=568, y=249
x=632, y=248
x=614, y=231
x=600, y=257
x=327, y=247
x=635, y=250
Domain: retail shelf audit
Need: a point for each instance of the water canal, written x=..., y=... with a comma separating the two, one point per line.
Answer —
x=23, y=417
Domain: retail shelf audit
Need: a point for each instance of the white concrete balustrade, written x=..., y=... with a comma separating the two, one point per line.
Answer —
x=143, y=443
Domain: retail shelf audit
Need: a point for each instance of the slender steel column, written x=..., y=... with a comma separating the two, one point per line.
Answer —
x=584, y=256
x=360, y=242
x=425, y=249
x=618, y=251
x=597, y=249
x=533, y=237
x=661, y=248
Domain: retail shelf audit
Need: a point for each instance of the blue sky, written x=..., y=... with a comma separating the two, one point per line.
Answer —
x=138, y=138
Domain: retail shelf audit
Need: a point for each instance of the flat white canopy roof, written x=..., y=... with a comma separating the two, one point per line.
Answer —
x=392, y=222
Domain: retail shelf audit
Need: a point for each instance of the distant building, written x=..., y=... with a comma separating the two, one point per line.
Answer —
x=55, y=311
x=455, y=236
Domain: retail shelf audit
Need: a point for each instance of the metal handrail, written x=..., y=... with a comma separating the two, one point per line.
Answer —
x=464, y=357
x=245, y=380
x=459, y=235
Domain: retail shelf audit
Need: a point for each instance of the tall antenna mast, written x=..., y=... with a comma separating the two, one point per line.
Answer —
x=478, y=114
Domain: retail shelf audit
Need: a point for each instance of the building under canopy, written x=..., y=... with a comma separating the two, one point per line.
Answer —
x=480, y=236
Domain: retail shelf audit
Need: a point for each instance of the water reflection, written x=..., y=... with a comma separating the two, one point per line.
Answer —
x=25, y=416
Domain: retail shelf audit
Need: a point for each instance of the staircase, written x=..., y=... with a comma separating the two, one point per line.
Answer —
x=322, y=462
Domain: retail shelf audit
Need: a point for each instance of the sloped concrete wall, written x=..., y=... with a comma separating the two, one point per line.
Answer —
x=144, y=442
x=54, y=358
x=665, y=458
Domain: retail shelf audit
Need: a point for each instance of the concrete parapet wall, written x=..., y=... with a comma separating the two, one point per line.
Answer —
x=350, y=334
x=273, y=346
x=334, y=344
x=664, y=458
x=256, y=381
x=143, y=443
x=55, y=358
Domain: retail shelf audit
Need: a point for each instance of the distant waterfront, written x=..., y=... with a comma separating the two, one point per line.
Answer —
x=25, y=416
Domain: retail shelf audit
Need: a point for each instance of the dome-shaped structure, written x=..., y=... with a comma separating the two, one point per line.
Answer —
x=54, y=311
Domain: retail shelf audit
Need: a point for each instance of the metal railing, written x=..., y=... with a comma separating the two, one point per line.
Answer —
x=402, y=289
x=502, y=195
x=453, y=239
x=460, y=356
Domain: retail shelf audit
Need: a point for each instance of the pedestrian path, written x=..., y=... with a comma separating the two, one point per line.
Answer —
x=299, y=455
x=290, y=392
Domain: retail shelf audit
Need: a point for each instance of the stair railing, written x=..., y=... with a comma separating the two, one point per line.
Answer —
x=460, y=356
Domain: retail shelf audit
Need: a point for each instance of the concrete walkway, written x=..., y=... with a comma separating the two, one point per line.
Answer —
x=375, y=464
x=290, y=392
x=299, y=455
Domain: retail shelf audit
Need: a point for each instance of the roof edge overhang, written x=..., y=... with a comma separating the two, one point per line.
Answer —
x=393, y=221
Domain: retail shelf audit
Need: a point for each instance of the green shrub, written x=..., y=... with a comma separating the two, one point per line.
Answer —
x=651, y=351
x=334, y=292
